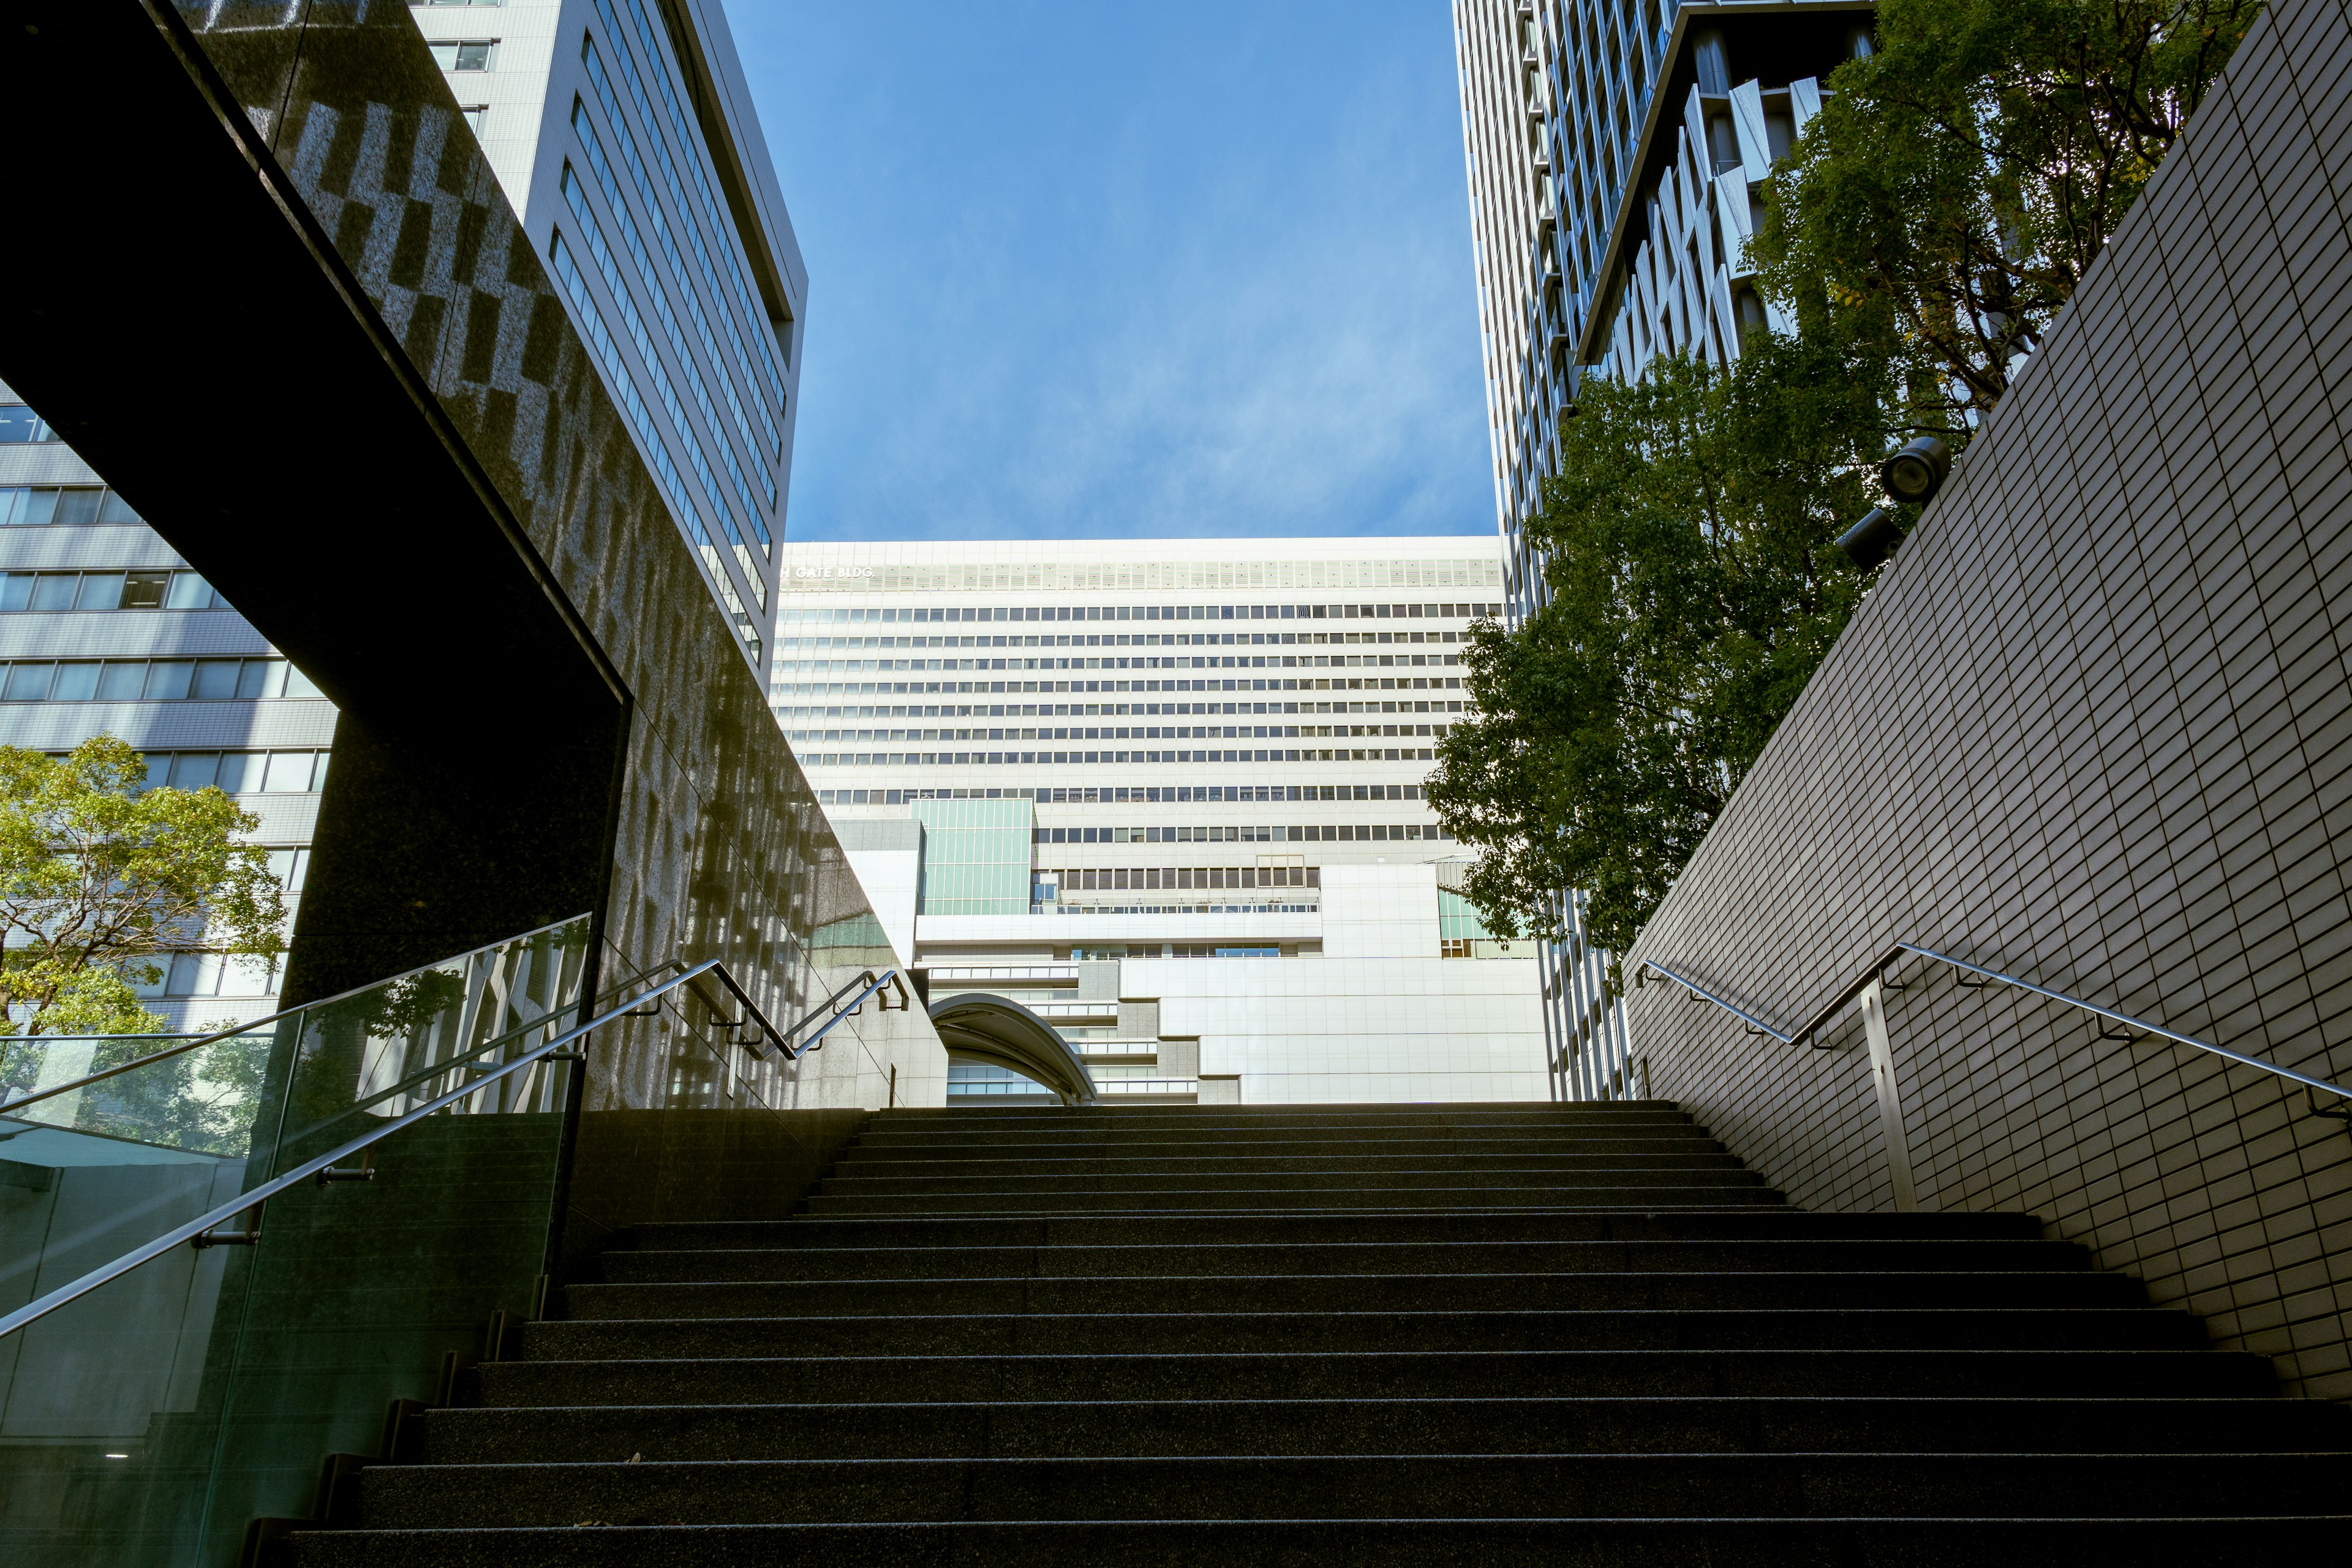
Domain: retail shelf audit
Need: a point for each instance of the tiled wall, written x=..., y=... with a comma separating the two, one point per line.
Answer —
x=2093, y=728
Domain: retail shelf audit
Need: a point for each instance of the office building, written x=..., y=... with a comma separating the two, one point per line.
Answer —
x=624, y=138
x=623, y=134
x=104, y=629
x=1168, y=795
x=1614, y=148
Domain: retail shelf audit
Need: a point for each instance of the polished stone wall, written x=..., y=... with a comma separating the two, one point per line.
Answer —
x=2093, y=728
x=303, y=332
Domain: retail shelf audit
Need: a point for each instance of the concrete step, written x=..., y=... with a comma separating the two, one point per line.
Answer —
x=741, y=1319
x=1192, y=1427
x=1500, y=1155
x=1367, y=1197
x=1163, y=1293
x=1423, y=1176
x=1156, y=1230
x=723, y=1362
x=1444, y=1257
x=1081, y=1130
x=1431, y=1486
x=2275, y=1541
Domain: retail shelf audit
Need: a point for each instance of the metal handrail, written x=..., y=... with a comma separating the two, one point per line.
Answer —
x=1755, y=1025
x=33, y=1311
x=1821, y=1020
x=864, y=984
x=192, y=1042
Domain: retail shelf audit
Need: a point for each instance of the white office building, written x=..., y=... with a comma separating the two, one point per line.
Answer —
x=623, y=133
x=1614, y=150
x=1167, y=794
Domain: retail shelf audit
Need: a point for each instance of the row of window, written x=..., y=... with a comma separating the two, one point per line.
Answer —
x=1140, y=613
x=106, y=591
x=1274, y=832
x=1212, y=754
x=822, y=692
x=151, y=679
x=1133, y=689
x=241, y=773
x=1156, y=639
x=1256, y=907
x=1141, y=733
x=1132, y=794
x=37, y=506
x=786, y=670
x=794, y=716
x=1181, y=879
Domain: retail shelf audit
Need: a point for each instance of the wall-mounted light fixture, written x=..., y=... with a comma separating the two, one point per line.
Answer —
x=1914, y=474
x=1871, y=539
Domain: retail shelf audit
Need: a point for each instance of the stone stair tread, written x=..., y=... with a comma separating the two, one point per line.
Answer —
x=1381, y=1334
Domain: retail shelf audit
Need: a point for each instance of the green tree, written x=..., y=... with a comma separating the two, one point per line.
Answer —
x=1958, y=181
x=1689, y=547
x=102, y=881
x=1926, y=230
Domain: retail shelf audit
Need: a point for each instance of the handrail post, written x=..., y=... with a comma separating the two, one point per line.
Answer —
x=1890, y=1100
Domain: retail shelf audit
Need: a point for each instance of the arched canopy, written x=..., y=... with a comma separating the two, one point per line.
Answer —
x=1003, y=1033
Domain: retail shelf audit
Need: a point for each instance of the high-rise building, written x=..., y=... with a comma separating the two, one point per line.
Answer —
x=623, y=136
x=1167, y=794
x=1614, y=148
x=105, y=630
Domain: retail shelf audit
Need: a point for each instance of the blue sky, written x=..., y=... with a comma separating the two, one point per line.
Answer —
x=1089, y=270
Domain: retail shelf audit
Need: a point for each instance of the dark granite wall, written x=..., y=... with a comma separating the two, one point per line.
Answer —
x=2093, y=728
x=303, y=332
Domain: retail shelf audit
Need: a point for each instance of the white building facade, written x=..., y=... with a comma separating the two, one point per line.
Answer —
x=1168, y=795
x=623, y=133
x=1614, y=151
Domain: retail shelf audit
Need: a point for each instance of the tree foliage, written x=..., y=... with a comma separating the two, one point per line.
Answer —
x=1688, y=543
x=1927, y=228
x=102, y=881
x=1958, y=181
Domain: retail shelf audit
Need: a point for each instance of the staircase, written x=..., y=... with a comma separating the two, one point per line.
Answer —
x=1363, y=1335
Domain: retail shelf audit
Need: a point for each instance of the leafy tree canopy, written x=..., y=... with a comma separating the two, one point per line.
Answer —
x=1926, y=228
x=1689, y=547
x=100, y=879
x=1958, y=181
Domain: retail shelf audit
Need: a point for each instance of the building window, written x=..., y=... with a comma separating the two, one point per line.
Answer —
x=20, y=424
x=466, y=54
x=34, y=505
x=475, y=115
x=105, y=591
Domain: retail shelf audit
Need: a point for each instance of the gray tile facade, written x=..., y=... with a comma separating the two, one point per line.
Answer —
x=2093, y=728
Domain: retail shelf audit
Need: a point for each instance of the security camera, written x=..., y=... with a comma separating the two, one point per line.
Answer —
x=1871, y=539
x=1914, y=474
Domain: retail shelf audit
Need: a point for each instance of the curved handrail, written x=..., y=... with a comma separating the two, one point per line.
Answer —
x=1821, y=1020
x=192, y=1042
x=32, y=1312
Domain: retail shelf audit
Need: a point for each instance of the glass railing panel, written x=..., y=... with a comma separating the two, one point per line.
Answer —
x=110, y=1407
x=199, y=1100
x=359, y=1290
x=150, y=1421
x=375, y=1056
